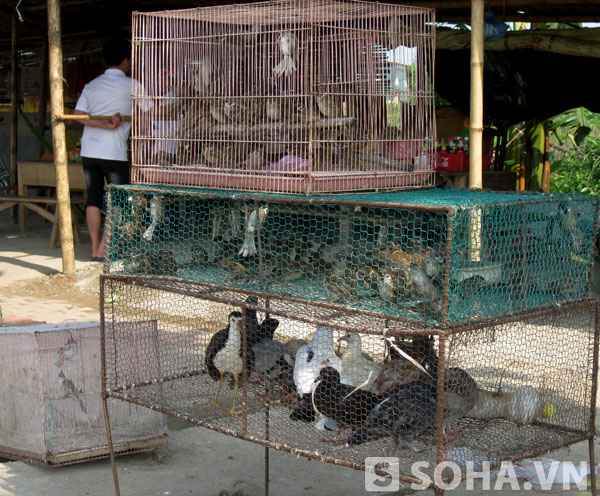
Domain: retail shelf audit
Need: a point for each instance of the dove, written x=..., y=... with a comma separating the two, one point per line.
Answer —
x=361, y=371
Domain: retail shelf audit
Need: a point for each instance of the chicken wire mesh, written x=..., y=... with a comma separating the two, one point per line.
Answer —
x=51, y=409
x=441, y=257
x=340, y=387
x=290, y=96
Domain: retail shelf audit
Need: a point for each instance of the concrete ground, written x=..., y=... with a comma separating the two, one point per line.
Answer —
x=197, y=461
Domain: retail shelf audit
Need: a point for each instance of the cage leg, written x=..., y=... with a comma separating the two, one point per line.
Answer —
x=592, y=466
x=267, y=413
x=111, y=450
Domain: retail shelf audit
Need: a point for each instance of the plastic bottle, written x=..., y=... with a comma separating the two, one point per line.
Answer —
x=460, y=146
x=466, y=145
x=451, y=146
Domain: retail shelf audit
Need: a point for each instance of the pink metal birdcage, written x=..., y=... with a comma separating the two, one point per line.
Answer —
x=292, y=96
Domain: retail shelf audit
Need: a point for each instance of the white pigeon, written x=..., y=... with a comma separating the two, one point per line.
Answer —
x=308, y=365
x=359, y=370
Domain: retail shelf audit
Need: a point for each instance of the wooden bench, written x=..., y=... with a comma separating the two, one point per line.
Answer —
x=36, y=204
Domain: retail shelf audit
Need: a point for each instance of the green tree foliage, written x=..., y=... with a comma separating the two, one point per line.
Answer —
x=578, y=169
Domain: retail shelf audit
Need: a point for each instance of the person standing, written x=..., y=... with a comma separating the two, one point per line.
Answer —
x=104, y=142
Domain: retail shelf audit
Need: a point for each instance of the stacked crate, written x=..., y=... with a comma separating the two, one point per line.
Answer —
x=296, y=114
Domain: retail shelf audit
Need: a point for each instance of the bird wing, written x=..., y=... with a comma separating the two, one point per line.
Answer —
x=304, y=370
x=271, y=359
x=460, y=392
x=216, y=343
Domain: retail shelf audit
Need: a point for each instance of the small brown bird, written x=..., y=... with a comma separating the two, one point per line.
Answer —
x=254, y=159
x=388, y=286
x=217, y=111
x=273, y=109
x=203, y=76
x=225, y=156
x=394, y=374
x=328, y=106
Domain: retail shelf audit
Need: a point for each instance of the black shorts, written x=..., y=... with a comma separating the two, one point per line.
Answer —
x=95, y=170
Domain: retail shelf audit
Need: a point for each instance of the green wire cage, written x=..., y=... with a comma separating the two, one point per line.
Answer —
x=436, y=257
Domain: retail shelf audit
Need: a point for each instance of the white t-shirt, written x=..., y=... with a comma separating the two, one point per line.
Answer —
x=107, y=94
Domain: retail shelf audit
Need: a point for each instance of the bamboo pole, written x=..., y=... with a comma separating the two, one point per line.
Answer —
x=14, y=114
x=58, y=137
x=82, y=117
x=42, y=109
x=476, y=111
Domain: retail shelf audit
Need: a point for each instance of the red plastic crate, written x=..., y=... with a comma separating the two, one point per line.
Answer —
x=458, y=161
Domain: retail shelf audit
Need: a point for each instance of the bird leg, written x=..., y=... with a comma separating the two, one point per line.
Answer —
x=215, y=401
x=232, y=412
x=452, y=435
x=408, y=444
x=335, y=439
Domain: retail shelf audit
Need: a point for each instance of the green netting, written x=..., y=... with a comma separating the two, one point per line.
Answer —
x=440, y=257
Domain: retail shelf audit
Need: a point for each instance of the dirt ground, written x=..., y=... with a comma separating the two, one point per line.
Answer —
x=197, y=461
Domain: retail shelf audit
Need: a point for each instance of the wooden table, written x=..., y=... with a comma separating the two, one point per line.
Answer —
x=43, y=174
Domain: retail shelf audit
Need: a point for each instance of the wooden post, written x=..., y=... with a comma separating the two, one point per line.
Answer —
x=14, y=114
x=546, y=170
x=63, y=193
x=476, y=111
x=42, y=109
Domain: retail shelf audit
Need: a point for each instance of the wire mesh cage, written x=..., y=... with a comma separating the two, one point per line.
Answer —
x=290, y=96
x=441, y=257
x=340, y=387
x=51, y=410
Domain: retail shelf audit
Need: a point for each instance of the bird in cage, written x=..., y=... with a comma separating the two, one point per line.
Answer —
x=132, y=227
x=70, y=390
x=245, y=113
x=157, y=214
x=255, y=331
x=361, y=370
x=203, y=75
x=274, y=364
x=254, y=224
x=347, y=405
x=273, y=109
x=221, y=155
x=307, y=368
x=408, y=410
x=288, y=45
x=460, y=396
x=224, y=356
x=388, y=283
x=255, y=159
x=405, y=364
x=328, y=106
x=217, y=111
x=67, y=352
x=522, y=406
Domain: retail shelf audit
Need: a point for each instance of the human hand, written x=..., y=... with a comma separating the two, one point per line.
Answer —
x=115, y=121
